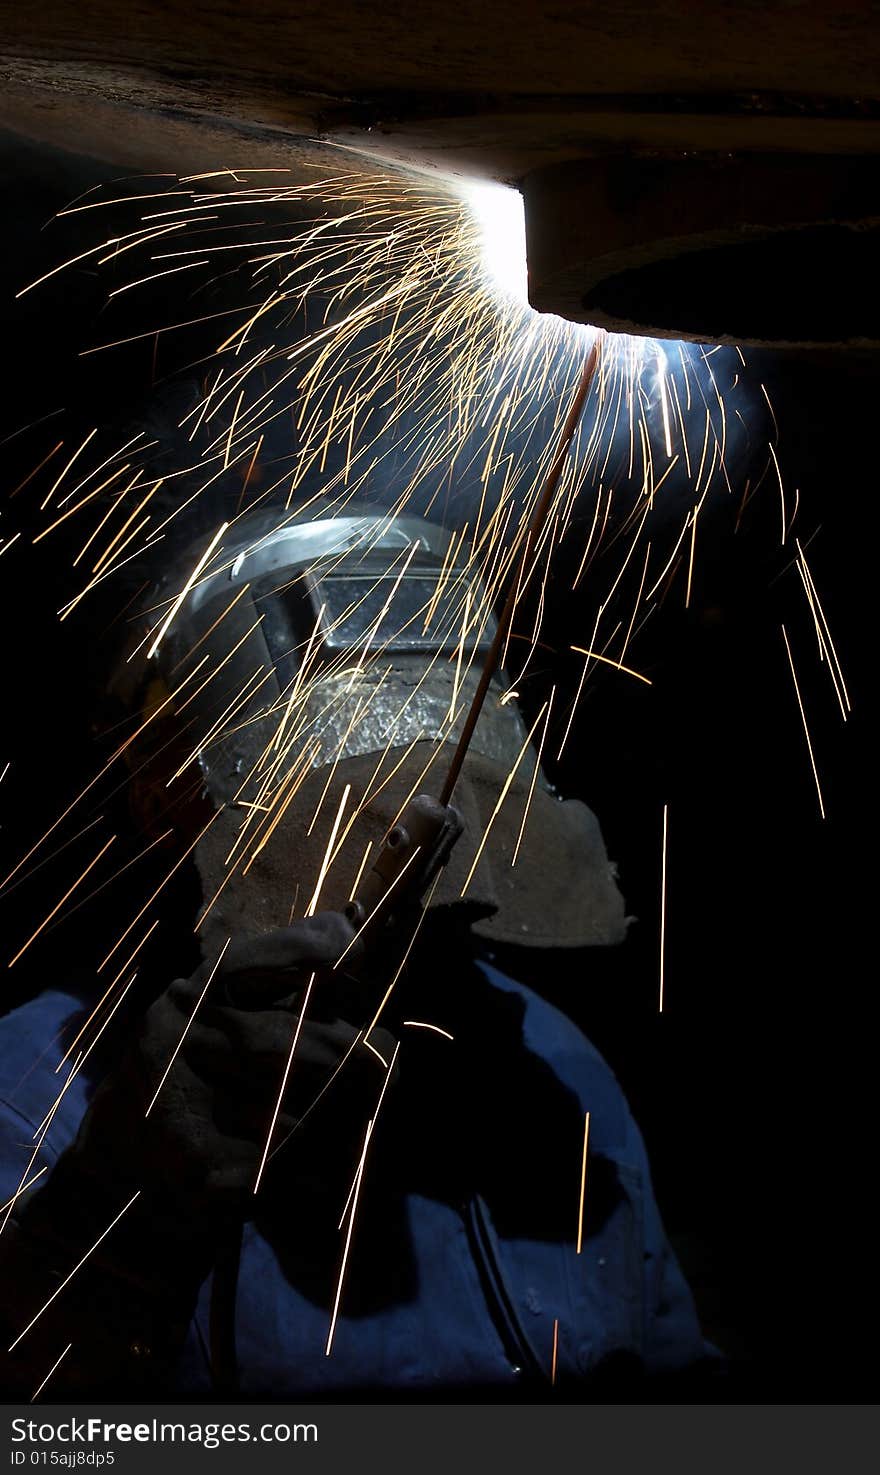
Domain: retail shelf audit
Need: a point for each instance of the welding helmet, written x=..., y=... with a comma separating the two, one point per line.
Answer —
x=314, y=676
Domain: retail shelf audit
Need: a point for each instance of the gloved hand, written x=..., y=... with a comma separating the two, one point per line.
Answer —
x=195, y=1150
x=193, y=1156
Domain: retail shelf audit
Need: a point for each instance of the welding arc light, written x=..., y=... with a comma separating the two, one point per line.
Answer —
x=500, y=219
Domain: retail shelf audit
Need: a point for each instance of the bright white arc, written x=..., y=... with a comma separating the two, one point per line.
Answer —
x=501, y=220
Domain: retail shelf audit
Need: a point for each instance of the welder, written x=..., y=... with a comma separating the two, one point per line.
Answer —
x=331, y=1160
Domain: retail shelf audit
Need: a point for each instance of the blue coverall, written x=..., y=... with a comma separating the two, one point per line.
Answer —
x=492, y=1277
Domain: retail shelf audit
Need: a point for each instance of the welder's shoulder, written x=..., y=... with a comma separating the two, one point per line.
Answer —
x=33, y=1042
x=577, y=1064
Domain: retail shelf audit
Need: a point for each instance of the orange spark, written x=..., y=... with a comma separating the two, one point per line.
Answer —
x=580, y=1233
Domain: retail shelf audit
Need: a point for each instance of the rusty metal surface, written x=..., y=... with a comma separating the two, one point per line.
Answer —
x=499, y=86
x=507, y=91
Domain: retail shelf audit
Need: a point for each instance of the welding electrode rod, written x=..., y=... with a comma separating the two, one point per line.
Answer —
x=505, y=619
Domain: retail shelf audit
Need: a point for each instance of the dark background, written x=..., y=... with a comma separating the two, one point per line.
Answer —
x=755, y=1088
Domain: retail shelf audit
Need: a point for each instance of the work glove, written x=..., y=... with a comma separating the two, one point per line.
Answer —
x=193, y=1137
x=184, y=1118
x=176, y=1134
